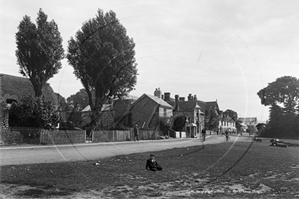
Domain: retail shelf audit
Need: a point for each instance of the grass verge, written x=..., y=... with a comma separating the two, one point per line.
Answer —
x=242, y=170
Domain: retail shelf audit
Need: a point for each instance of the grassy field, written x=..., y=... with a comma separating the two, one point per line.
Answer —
x=242, y=170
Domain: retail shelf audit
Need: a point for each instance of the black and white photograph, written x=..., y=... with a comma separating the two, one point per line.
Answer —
x=143, y=99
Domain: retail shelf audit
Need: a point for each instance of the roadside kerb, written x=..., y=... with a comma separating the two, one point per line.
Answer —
x=93, y=144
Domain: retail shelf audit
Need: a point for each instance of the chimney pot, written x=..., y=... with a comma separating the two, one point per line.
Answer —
x=176, y=107
x=157, y=92
x=167, y=97
x=195, y=97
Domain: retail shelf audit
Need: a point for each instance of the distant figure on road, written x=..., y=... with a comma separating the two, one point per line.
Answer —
x=226, y=135
x=203, y=132
x=152, y=164
x=136, y=132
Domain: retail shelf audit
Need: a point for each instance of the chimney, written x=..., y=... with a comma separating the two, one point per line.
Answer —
x=167, y=97
x=195, y=97
x=157, y=92
x=182, y=99
x=176, y=107
x=190, y=97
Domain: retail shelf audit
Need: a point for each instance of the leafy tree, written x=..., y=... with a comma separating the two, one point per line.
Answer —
x=102, y=56
x=78, y=101
x=39, y=50
x=33, y=112
x=212, y=119
x=232, y=114
x=283, y=92
x=63, y=106
x=283, y=98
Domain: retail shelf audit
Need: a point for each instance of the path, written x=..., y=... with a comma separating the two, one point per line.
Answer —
x=78, y=152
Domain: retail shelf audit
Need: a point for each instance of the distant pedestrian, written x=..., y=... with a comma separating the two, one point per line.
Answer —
x=152, y=164
x=203, y=132
x=226, y=135
x=136, y=132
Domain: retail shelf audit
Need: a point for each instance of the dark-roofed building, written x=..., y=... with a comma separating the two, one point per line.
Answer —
x=147, y=110
x=17, y=88
x=117, y=114
x=192, y=111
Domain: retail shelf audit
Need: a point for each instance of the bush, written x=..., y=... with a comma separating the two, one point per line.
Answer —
x=33, y=112
x=12, y=137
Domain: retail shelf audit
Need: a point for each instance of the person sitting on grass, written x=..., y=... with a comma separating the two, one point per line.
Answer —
x=152, y=164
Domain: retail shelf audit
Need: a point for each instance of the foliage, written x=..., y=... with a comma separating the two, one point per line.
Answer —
x=165, y=124
x=39, y=50
x=10, y=137
x=238, y=125
x=283, y=98
x=102, y=56
x=232, y=114
x=33, y=112
x=283, y=92
x=212, y=119
x=78, y=101
x=63, y=106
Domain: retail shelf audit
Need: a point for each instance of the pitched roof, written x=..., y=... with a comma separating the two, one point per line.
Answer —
x=17, y=88
x=129, y=97
x=105, y=107
x=158, y=100
x=187, y=106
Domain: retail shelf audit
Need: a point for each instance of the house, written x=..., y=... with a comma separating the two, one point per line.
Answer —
x=226, y=123
x=116, y=114
x=191, y=110
x=199, y=114
x=147, y=111
x=14, y=89
x=106, y=119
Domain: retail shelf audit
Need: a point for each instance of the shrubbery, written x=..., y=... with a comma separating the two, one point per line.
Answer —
x=33, y=112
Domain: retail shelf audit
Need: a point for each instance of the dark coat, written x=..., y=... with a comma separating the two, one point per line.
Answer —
x=135, y=130
x=152, y=165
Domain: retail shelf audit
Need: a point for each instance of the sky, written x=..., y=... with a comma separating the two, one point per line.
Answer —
x=224, y=50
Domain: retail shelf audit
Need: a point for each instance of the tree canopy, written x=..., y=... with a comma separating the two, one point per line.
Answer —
x=282, y=96
x=232, y=114
x=283, y=92
x=102, y=56
x=39, y=50
x=78, y=101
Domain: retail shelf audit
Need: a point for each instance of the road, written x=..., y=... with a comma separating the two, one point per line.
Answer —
x=91, y=151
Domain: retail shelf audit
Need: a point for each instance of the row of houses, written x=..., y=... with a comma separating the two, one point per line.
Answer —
x=157, y=111
x=160, y=110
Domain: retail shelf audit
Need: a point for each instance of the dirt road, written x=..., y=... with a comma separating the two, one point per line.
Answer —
x=90, y=151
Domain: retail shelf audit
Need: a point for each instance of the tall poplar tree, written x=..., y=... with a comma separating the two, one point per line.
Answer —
x=39, y=50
